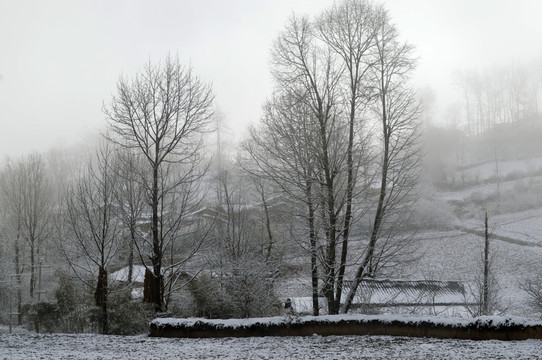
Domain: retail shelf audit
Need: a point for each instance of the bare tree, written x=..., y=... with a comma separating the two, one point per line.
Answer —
x=243, y=255
x=12, y=211
x=311, y=70
x=35, y=210
x=484, y=290
x=349, y=28
x=280, y=150
x=130, y=198
x=93, y=227
x=161, y=114
x=334, y=77
x=27, y=200
x=485, y=287
x=397, y=110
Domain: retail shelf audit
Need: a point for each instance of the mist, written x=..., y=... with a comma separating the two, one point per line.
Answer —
x=60, y=61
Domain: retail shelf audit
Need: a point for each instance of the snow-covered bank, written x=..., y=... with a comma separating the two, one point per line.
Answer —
x=91, y=346
x=482, y=328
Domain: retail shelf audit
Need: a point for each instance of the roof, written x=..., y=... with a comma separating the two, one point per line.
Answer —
x=138, y=274
x=385, y=292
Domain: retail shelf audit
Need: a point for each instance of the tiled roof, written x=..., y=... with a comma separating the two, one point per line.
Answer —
x=407, y=292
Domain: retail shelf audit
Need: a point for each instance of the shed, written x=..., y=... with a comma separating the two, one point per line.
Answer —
x=409, y=293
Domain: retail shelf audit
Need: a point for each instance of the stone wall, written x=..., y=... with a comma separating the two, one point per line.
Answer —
x=485, y=328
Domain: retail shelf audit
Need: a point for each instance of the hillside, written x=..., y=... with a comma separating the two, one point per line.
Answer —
x=507, y=187
x=449, y=218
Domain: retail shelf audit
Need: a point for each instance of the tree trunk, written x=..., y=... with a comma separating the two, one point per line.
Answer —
x=131, y=254
x=267, y=226
x=149, y=288
x=314, y=265
x=157, y=253
x=349, y=196
x=485, y=295
x=32, y=269
x=100, y=297
x=19, y=280
x=379, y=215
x=331, y=231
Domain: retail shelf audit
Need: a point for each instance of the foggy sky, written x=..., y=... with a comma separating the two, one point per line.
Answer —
x=60, y=59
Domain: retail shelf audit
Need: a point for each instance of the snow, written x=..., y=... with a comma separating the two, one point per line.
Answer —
x=91, y=346
x=507, y=168
x=524, y=226
x=456, y=255
x=482, y=191
x=516, y=175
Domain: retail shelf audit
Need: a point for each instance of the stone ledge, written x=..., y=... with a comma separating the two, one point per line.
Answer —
x=483, y=328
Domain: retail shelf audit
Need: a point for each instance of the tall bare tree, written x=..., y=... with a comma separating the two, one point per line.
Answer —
x=349, y=72
x=27, y=205
x=397, y=110
x=36, y=209
x=303, y=63
x=12, y=211
x=129, y=194
x=349, y=28
x=161, y=114
x=94, y=228
x=484, y=289
x=346, y=69
x=280, y=150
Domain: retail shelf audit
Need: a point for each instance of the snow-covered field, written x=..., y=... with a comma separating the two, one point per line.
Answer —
x=515, y=227
x=456, y=255
x=525, y=226
x=507, y=168
x=89, y=346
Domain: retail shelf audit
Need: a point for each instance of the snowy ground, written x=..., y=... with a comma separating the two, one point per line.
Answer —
x=456, y=255
x=524, y=226
x=89, y=346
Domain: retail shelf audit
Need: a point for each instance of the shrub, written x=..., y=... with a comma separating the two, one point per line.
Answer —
x=43, y=316
x=74, y=306
x=242, y=292
x=209, y=299
x=533, y=288
x=127, y=316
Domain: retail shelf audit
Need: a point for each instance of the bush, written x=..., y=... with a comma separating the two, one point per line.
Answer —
x=43, y=316
x=533, y=288
x=127, y=316
x=74, y=306
x=251, y=293
x=209, y=299
x=244, y=291
x=75, y=311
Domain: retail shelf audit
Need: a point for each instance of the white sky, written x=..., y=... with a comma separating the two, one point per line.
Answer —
x=60, y=59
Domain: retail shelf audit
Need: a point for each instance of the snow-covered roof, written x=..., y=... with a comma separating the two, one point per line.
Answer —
x=138, y=274
x=385, y=292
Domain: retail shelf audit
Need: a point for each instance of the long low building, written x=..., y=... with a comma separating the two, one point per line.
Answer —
x=401, y=296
